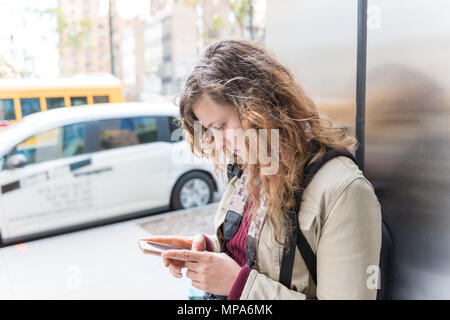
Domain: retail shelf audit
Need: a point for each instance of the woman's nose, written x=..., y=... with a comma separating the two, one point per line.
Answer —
x=220, y=140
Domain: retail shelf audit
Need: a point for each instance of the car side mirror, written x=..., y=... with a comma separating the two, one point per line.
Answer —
x=17, y=160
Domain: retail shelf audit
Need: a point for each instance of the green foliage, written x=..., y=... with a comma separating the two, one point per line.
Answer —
x=217, y=24
x=242, y=9
x=190, y=3
x=73, y=33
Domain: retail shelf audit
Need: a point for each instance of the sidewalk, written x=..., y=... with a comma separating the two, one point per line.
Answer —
x=186, y=222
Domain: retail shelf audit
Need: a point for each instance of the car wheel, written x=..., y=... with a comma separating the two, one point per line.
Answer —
x=192, y=190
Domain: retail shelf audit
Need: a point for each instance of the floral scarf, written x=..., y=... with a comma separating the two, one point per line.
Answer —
x=237, y=205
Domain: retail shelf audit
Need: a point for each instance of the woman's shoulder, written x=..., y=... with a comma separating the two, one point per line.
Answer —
x=335, y=174
x=332, y=180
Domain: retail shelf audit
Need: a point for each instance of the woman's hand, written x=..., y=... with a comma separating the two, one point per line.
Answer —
x=209, y=271
x=196, y=243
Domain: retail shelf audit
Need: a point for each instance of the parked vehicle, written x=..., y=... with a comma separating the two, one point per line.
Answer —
x=22, y=97
x=75, y=167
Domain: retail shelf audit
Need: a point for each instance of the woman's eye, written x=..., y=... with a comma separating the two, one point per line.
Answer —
x=220, y=128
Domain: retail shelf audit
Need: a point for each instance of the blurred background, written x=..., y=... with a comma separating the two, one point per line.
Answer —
x=78, y=185
x=149, y=45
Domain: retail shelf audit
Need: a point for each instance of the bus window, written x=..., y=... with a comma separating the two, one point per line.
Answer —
x=101, y=99
x=7, y=109
x=30, y=105
x=78, y=101
x=53, y=103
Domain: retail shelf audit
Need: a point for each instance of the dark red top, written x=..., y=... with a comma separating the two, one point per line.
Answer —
x=236, y=245
x=236, y=249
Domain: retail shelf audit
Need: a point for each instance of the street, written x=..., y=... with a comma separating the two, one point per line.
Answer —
x=99, y=263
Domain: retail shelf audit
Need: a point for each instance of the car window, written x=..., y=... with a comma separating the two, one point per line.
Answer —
x=30, y=105
x=174, y=125
x=53, y=144
x=146, y=129
x=41, y=147
x=73, y=140
x=117, y=133
x=2, y=162
x=7, y=109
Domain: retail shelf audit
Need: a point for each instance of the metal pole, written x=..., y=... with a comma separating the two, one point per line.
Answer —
x=361, y=82
x=111, y=33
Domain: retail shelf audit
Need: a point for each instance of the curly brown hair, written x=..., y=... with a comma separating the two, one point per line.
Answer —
x=244, y=75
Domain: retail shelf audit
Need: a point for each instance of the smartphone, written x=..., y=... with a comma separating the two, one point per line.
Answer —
x=155, y=248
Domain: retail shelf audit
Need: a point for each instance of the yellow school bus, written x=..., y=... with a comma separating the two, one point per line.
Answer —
x=21, y=97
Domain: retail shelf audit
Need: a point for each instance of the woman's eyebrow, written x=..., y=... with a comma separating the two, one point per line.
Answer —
x=209, y=125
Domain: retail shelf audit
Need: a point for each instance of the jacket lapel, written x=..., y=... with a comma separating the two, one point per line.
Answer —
x=234, y=200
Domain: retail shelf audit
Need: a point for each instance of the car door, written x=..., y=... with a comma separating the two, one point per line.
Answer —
x=46, y=194
x=136, y=158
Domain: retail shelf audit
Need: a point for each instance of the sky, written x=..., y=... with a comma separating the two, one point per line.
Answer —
x=35, y=36
x=32, y=36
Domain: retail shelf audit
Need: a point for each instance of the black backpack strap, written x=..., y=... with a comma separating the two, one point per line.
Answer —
x=233, y=169
x=230, y=225
x=297, y=238
x=287, y=261
x=232, y=219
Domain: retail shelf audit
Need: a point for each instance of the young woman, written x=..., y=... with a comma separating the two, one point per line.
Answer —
x=238, y=89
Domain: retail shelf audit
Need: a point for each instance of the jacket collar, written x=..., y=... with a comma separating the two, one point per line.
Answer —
x=236, y=200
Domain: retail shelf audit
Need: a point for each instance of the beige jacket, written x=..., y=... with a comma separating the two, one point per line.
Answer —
x=340, y=217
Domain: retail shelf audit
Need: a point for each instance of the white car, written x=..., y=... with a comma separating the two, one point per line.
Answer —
x=72, y=168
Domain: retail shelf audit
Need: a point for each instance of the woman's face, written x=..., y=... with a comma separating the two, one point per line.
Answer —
x=224, y=122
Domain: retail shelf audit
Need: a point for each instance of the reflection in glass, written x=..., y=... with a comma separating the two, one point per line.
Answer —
x=54, y=144
x=73, y=140
x=42, y=147
x=117, y=133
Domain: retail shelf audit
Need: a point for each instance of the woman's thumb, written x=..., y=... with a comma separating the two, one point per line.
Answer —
x=198, y=243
